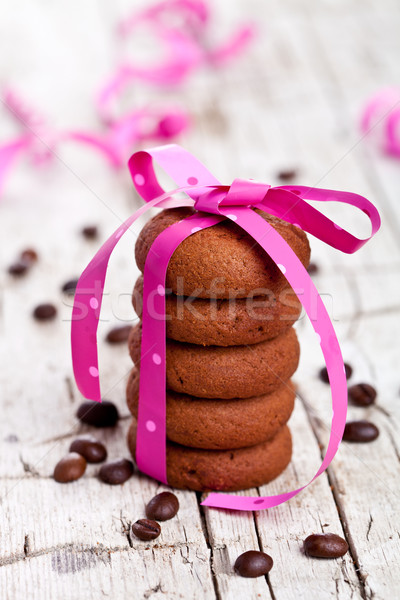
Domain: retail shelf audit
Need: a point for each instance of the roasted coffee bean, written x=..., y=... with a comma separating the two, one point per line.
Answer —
x=29, y=255
x=325, y=545
x=162, y=507
x=360, y=431
x=70, y=468
x=312, y=268
x=323, y=374
x=287, y=174
x=18, y=268
x=69, y=287
x=362, y=394
x=90, y=232
x=253, y=563
x=118, y=335
x=116, y=472
x=146, y=530
x=98, y=414
x=90, y=448
x=45, y=312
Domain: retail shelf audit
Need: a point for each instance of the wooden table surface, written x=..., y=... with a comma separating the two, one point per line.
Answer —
x=293, y=101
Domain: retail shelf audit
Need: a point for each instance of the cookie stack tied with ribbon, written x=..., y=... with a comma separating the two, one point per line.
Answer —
x=214, y=387
x=230, y=353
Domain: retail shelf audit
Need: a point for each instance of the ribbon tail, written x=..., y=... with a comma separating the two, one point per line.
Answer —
x=298, y=278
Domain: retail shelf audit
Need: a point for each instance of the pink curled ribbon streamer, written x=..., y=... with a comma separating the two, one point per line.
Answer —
x=185, y=46
x=384, y=106
x=214, y=203
x=40, y=142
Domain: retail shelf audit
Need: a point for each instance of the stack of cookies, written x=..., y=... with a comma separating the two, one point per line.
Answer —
x=231, y=351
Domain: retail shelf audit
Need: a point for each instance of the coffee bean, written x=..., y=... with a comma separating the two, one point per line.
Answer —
x=146, y=530
x=312, y=268
x=325, y=545
x=70, y=468
x=287, y=174
x=90, y=448
x=18, y=268
x=29, y=255
x=362, y=394
x=360, y=431
x=253, y=563
x=69, y=287
x=90, y=232
x=118, y=335
x=323, y=374
x=45, y=312
x=162, y=507
x=98, y=414
x=116, y=472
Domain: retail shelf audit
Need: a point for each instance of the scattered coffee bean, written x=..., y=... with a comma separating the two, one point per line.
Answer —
x=325, y=545
x=362, y=394
x=312, y=268
x=146, y=530
x=18, y=268
x=253, y=563
x=118, y=335
x=287, y=174
x=90, y=448
x=90, y=232
x=116, y=472
x=29, y=255
x=45, y=312
x=24, y=262
x=360, y=431
x=162, y=507
x=98, y=414
x=70, y=468
x=69, y=287
x=323, y=374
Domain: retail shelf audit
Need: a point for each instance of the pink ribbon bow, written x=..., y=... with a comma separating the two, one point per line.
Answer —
x=215, y=203
x=186, y=47
x=39, y=141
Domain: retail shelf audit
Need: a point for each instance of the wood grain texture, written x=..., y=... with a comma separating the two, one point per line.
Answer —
x=292, y=102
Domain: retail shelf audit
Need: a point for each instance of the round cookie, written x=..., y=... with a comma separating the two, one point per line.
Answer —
x=226, y=372
x=225, y=322
x=215, y=424
x=224, y=470
x=221, y=261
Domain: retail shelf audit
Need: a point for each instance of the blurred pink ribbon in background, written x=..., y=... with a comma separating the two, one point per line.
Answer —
x=384, y=109
x=40, y=142
x=182, y=28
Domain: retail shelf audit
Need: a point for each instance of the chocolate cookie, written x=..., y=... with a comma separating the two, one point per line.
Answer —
x=220, y=424
x=221, y=261
x=226, y=372
x=225, y=322
x=224, y=470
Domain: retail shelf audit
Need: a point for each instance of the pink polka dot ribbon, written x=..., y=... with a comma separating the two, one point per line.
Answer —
x=213, y=203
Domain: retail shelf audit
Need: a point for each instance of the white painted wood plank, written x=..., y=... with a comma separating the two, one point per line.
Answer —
x=71, y=573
